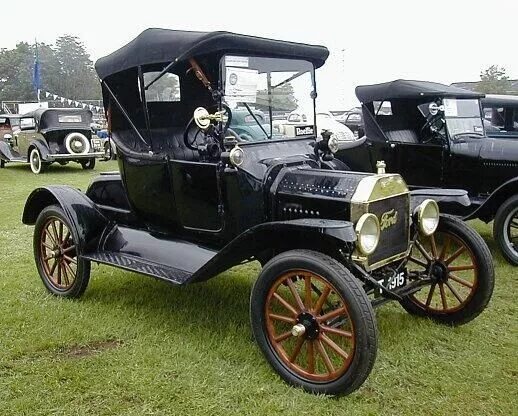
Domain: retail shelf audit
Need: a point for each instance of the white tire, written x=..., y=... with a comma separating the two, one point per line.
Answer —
x=35, y=161
x=77, y=143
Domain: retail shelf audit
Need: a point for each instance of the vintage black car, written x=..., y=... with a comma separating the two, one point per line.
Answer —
x=501, y=116
x=193, y=199
x=51, y=135
x=434, y=136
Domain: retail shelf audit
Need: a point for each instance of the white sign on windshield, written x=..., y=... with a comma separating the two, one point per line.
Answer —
x=241, y=61
x=241, y=85
x=450, y=107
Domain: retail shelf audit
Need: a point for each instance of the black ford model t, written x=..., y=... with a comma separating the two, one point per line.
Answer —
x=51, y=135
x=193, y=198
x=434, y=136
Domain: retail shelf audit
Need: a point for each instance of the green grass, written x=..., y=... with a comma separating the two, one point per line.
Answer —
x=136, y=346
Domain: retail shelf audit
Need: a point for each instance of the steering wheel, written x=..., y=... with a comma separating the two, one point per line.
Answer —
x=435, y=124
x=190, y=138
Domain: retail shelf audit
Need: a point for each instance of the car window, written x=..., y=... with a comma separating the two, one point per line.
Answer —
x=3, y=122
x=354, y=117
x=27, y=123
x=495, y=116
x=382, y=108
x=166, y=89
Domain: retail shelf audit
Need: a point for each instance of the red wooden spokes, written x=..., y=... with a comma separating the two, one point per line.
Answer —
x=452, y=268
x=308, y=327
x=58, y=254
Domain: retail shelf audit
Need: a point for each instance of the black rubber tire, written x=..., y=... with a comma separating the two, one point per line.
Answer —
x=506, y=210
x=486, y=276
x=360, y=312
x=88, y=164
x=2, y=163
x=83, y=266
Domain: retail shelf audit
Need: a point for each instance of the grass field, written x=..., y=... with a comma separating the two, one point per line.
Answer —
x=136, y=346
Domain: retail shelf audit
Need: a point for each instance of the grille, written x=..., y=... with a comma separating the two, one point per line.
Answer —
x=394, y=238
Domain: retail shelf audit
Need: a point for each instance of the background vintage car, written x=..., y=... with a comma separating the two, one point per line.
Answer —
x=52, y=135
x=433, y=135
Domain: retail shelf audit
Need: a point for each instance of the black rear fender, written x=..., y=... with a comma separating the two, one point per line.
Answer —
x=87, y=221
x=44, y=150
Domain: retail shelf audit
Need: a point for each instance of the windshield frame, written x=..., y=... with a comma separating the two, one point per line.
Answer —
x=313, y=94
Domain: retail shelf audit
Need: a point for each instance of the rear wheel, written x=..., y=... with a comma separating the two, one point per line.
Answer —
x=314, y=323
x=2, y=164
x=61, y=269
x=505, y=229
x=37, y=165
x=107, y=151
x=460, y=266
x=88, y=164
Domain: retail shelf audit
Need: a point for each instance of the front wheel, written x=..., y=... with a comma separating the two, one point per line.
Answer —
x=314, y=322
x=2, y=164
x=505, y=229
x=460, y=267
x=61, y=269
x=88, y=164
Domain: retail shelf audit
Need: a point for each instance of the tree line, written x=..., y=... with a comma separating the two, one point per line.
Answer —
x=65, y=69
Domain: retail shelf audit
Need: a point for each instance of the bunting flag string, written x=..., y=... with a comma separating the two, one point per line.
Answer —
x=75, y=103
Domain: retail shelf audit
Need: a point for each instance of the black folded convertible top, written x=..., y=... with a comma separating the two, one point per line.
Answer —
x=154, y=46
x=407, y=89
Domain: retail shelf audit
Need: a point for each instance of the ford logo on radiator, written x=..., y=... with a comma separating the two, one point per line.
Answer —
x=388, y=219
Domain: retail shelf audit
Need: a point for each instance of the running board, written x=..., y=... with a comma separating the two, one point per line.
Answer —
x=140, y=251
x=138, y=265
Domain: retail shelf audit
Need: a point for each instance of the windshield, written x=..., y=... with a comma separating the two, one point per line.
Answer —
x=463, y=116
x=264, y=92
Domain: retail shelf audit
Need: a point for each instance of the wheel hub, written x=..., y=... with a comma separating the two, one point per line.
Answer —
x=306, y=326
x=439, y=271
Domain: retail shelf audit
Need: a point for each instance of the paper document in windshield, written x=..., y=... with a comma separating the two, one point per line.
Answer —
x=450, y=107
x=241, y=85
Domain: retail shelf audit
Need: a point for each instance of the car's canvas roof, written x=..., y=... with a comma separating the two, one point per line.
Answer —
x=154, y=46
x=408, y=89
x=497, y=99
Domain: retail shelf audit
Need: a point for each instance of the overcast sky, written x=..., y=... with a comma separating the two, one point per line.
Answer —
x=370, y=41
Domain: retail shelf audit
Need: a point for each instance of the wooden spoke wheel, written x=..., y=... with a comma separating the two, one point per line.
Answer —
x=314, y=322
x=459, y=266
x=308, y=325
x=56, y=254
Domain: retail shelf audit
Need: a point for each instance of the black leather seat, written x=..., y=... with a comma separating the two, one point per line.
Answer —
x=402, y=136
x=170, y=141
x=397, y=129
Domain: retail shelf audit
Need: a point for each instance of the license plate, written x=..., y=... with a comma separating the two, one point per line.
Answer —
x=393, y=282
x=396, y=281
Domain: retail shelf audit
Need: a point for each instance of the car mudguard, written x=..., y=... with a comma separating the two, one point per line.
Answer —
x=273, y=237
x=88, y=222
x=450, y=201
x=5, y=151
x=487, y=210
x=44, y=150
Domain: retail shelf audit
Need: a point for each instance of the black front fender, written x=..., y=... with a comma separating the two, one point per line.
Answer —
x=5, y=151
x=450, y=201
x=487, y=210
x=87, y=221
x=328, y=236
